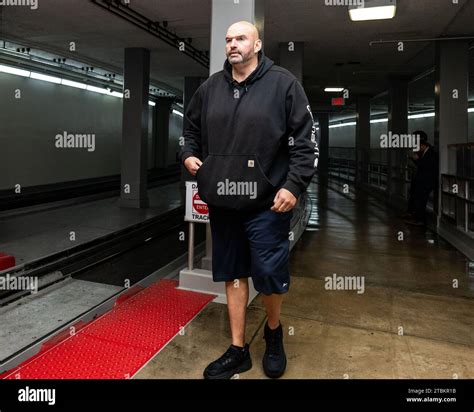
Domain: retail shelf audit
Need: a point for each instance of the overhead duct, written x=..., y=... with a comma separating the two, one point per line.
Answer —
x=154, y=28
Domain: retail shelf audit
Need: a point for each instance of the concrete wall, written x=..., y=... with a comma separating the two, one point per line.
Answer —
x=342, y=136
x=377, y=130
x=28, y=127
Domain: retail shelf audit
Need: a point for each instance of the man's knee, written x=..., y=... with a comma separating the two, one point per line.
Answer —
x=237, y=283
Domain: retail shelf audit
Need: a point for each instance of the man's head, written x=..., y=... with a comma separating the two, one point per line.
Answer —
x=423, y=139
x=242, y=43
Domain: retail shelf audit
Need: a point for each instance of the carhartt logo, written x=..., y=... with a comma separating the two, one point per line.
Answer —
x=250, y=163
x=285, y=284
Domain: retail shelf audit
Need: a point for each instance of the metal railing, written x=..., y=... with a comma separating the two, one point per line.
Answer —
x=457, y=201
x=376, y=173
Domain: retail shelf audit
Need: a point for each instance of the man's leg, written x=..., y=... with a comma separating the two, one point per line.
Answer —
x=268, y=233
x=274, y=358
x=231, y=256
x=273, y=307
x=237, y=358
x=411, y=199
x=421, y=200
x=237, y=299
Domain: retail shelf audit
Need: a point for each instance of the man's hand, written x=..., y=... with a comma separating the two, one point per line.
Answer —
x=192, y=164
x=284, y=201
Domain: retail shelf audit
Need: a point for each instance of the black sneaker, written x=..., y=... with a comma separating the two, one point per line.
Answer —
x=234, y=360
x=414, y=222
x=274, y=359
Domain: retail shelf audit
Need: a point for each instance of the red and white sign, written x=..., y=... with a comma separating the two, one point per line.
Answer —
x=196, y=209
x=198, y=205
x=337, y=101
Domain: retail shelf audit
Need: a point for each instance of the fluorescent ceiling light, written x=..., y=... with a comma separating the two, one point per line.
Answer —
x=421, y=115
x=12, y=70
x=178, y=113
x=333, y=89
x=151, y=103
x=373, y=13
x=373, y=10
x=97, y=90
x=73, y=84
x=117, y=94
x=334, y=126
x=412, y=116
x=51, y=79
x=379, y=120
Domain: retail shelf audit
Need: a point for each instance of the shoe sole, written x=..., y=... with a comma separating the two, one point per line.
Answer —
x=415, y=224
x=247, y=365
x=274, y=375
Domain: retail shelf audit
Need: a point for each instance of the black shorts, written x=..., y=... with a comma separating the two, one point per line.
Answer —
x=251, y=244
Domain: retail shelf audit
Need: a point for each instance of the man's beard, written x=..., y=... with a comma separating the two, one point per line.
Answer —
x=245, y=58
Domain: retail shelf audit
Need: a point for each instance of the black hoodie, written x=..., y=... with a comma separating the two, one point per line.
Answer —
x=253, y=137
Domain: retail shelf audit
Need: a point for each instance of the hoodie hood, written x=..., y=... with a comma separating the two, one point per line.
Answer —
x=264, y=64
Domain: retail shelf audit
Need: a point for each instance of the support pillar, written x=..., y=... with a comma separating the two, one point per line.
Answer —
x=133, y=191
x=363, y=139
x=323, y=163
x=161, y=131
x=451, y=105
x=397, y=124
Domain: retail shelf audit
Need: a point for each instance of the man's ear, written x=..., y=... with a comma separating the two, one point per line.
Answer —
x=258, y=46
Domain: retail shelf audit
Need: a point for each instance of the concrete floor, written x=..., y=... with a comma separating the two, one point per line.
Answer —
x=409, y=323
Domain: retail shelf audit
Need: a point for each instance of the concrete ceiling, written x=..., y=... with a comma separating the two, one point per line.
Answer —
x=336, y=49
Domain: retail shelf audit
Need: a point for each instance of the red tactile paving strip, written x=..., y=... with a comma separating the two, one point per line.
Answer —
x=117, y=344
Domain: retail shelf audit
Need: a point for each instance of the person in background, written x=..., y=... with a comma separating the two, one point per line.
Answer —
x=423, y=182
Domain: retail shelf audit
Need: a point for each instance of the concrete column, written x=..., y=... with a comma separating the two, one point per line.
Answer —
x=291, y=58
x=225, y=13
x=397, y=124
x=135, y=129
x=323, y=163
x=161, y=132
x=191, y=84
x=451, y=102
x=363, y=139
x=451, y=125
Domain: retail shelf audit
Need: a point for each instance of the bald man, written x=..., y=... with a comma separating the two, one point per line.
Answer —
x=250, y=141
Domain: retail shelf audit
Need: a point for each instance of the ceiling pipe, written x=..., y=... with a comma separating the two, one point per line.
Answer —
x=371, y=43
x=422, y=75
x=154, y=28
